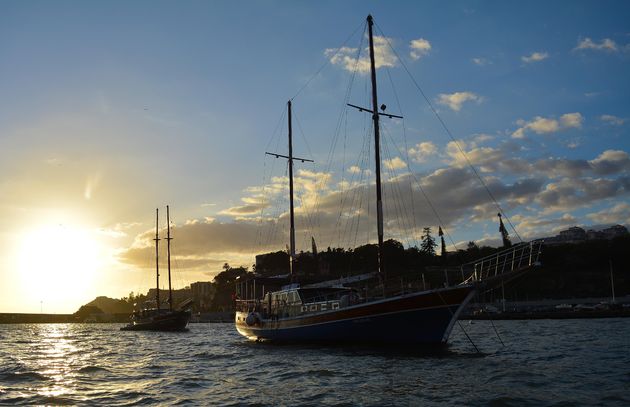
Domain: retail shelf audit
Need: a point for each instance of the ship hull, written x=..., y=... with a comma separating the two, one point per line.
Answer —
x=419, y=318
x=168, y=321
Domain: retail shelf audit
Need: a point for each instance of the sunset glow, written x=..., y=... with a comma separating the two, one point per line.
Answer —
x=58, y=265
x=109, y=110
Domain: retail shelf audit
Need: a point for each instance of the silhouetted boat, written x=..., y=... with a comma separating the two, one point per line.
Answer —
x=158, y=319
x=388, y=313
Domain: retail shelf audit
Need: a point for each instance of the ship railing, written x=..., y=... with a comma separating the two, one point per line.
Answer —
x=247, y=305
x=509, y=261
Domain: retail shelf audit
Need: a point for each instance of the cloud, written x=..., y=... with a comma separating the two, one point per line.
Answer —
x=90, y=185
x=486, y=158
x=118, y=230
x=395, y=163
x=611, y=162
x=354, y=169
x=571, y=193
x=535, y=57
x=198, y=245
x=346, y=57
x=537, y=226
x=253, y=206
x=481, y=61
x=336, y=214
x=422, y=151
x=419, y=48
x=501, y=160
x=543, y=125
x=610, y=119
x=574, y=120
x=573, y=144
x=606, y=44
x=618, y=214
x=457, y=99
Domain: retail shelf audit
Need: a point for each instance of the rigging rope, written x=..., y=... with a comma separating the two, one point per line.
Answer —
x=325, y=64
x=404, y=127
x=446, y=129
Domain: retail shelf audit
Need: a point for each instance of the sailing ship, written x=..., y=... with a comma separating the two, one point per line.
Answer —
x=343, y=314
x=158, y=319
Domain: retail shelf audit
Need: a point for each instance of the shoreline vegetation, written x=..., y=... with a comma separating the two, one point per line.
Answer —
x=589, y=312
x=577, y=276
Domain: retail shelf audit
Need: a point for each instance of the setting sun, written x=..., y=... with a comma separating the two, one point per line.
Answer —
x=57, y=264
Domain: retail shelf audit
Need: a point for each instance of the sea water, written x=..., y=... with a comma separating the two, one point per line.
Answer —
x=522, y=363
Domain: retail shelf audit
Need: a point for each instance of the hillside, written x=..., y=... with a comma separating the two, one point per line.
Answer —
x=110, y=305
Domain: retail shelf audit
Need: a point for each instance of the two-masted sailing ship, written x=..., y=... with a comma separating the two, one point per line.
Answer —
x=343, y=314
x=159, y=319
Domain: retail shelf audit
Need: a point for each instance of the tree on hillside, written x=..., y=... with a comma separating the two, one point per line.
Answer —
x=225, y=284
x=428, y=244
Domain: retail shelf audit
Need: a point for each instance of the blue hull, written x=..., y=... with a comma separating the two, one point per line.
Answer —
x=408, y=325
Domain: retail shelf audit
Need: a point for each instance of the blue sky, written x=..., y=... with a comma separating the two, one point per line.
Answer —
x=110, y=109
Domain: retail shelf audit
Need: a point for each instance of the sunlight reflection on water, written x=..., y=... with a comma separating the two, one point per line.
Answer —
x=544, y=363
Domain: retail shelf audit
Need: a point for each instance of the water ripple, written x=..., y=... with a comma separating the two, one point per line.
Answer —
x=544, y=363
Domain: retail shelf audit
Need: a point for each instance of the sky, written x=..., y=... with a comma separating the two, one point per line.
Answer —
x=111, y=109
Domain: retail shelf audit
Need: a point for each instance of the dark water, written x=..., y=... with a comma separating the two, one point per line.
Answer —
x=559, y=363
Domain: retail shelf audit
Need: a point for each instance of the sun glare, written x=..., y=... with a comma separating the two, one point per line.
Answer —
x=57, y=265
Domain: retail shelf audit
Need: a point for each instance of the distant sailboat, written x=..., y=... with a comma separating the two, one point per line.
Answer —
x=157, y=319
x=339, y=314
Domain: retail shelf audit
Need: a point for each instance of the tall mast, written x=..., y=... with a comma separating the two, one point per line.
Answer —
x=612, y=280
x=168, y=258
x=291, y=211
x=292, y=232
x=377, y=152
x=157, y=259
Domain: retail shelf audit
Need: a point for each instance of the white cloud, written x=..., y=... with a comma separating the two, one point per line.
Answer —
x=354, y=169
x=574, y=120
x=573, y=144
x=481, y=61
x=118, y=230
x=535, y=57
x=618, y=214
x=346, y=57
x=605, y=45
x=420, y=152
x=90, y=185
x=395, y=163
x=457, y=99
x=482, y=137
x=419, y=48
x=543, y=125
x=610, y=119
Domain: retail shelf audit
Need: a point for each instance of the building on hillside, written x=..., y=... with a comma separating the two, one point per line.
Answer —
x=179, y=296
x=572, y=234
x=202, y=295
x=576, y=234
x=614, y=231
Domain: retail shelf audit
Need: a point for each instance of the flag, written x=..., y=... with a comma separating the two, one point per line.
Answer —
x=504, y=233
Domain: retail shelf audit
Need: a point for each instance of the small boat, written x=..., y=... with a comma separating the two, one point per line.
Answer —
x=158, y=319
x=387, y=313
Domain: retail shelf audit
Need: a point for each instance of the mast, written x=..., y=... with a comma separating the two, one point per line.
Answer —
x=168, y=258
x=157, y=262
x=292, y=231
x=377, y=151
x=612, y=280
x=290, y=158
